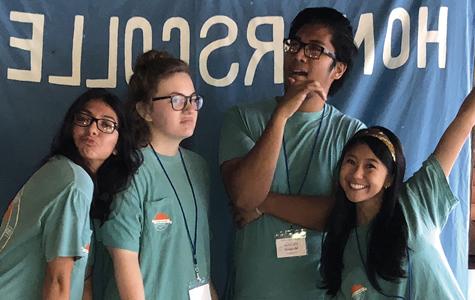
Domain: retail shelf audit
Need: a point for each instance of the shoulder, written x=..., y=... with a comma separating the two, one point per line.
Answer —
x=337, y=116
x=147, y=169
x=341, y=127
x=253, y=108
x=429, y=171
x=65, y=173
x=193, y=157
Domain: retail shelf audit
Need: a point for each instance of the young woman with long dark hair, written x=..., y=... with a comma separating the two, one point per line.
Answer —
x=382, y=237
x=45, y=233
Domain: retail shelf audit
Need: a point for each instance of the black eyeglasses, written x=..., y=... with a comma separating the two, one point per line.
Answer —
x=179, y=102
x=311, y=50
x=85, y=120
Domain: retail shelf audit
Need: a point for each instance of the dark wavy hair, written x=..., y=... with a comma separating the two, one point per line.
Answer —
x=150, y=68
x=115, y=173
x=342, y=35
x=388, y=230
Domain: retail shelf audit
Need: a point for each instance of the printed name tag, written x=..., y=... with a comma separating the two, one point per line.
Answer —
x=201, y=292
x=290, y=247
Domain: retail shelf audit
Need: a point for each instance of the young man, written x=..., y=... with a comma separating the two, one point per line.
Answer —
x=278, y=157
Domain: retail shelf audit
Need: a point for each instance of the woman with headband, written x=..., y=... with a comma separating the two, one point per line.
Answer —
x=382, y=237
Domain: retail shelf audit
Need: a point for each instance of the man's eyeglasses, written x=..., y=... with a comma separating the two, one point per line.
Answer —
x=85, y=120
x=311, y=50
x=179, y=102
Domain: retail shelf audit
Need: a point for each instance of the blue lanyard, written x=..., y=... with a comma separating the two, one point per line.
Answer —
x=309, y=159
x=192, y=242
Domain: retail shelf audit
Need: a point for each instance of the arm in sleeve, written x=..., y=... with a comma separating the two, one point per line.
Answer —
x=248, y=167
x=66, y=228
x=427, y=198
x=123, y=229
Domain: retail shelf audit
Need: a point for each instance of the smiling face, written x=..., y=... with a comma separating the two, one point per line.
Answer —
x=165, y=123
x=363, y=177
x=93, y=145
x=299, y=67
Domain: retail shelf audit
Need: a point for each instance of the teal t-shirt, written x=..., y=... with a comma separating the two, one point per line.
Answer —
x=146, y=218
x=48, y=218
x=257, y=272
x=426, y=200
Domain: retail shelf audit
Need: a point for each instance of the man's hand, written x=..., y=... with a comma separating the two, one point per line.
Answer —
x=297, y=92
x=244, y=217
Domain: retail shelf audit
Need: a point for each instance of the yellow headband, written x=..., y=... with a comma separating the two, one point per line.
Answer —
x=383, y=138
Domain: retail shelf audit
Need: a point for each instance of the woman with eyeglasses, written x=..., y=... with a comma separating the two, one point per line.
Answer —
x=157, y=234
x=45, y=233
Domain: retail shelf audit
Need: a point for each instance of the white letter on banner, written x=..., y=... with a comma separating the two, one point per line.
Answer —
x=111, y=80
x=76, y=54
x=231, y=37
x=425, y=36
x=132, y=25
x=33, y=45
x=182, y=25
x=262, y=48
x=365, y=32
x=395, y=62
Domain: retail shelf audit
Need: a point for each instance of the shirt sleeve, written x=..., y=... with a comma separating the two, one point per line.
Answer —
x=427, y=198
x=67, y=230
x=124, y=227
x=235, y=140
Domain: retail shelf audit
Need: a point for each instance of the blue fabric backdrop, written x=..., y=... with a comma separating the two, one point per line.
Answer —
x=414, y=67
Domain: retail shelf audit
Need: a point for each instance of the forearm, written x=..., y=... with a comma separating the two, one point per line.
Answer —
x=454, y=137
x=214, y=294
x=57, y=281
x=56, y=289
x=87, y=292
x=307, y=211
x=127, y=274
x=248, y=179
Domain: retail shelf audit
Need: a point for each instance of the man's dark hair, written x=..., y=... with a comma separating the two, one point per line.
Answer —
x=342, y=35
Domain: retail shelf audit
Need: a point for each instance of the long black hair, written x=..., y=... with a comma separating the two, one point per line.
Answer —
x=115, y=173
x=388, y=230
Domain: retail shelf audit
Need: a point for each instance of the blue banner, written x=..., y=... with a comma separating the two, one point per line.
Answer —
x=414, y=67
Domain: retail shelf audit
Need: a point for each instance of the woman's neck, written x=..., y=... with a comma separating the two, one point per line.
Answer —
x=367, y=210
x=164, y=146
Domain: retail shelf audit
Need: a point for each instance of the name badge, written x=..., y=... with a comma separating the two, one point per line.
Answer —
x=291, y=243
x=201, y=292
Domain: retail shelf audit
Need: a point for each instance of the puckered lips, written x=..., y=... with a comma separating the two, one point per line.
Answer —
x=88, y=141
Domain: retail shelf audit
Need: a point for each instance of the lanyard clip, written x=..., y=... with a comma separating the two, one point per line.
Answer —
x=197, y=273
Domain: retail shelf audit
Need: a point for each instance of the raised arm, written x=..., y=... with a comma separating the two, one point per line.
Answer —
x=248, y=178
x=455, y=135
